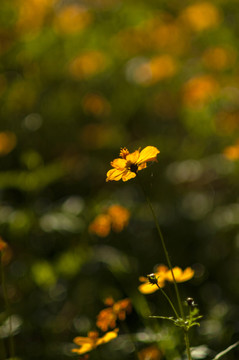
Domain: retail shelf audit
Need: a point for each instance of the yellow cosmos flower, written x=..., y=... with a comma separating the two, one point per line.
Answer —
x=93, y=340
x=127, y=167
x=163, y=274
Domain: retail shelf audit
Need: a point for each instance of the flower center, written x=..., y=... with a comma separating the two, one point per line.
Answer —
x=132, y=167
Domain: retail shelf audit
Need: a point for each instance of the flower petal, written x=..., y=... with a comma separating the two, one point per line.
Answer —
x=133, y=157
x=180, y=275
x=119, y=164
x=148, y=154
x=108, y=337
x=147, y=288
x=83, y=349
x=114, y=174
x=128, y=175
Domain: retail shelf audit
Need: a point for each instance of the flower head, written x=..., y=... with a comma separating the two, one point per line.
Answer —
x=92, y=341
x=117, y=310
x=127, y=166
x=162, y=275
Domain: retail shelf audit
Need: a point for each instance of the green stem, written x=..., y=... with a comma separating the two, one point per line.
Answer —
x=186, y=339
x=164, y=248
x=5, y=297
x=170, y=302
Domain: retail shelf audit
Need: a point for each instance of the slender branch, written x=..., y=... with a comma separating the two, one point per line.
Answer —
x=164, y=248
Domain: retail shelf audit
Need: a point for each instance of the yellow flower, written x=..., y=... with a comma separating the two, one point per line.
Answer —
x=163, y=274
x=93, y=340
x=127, y=167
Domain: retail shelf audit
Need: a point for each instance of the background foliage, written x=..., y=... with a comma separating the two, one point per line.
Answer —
x=78, y=81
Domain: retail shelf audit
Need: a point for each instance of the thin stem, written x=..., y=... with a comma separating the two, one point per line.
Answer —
x=186, y=339
x=7, y=306
x=170, y=302
x=164, y=248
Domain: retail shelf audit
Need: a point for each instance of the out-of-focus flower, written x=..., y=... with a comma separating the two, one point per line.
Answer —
x=199, y=90
x=148, y=72
x=87, y=64
x=93, y=340
x=201, y=16
x=117, y=310
x=163, y=274
x=3, y=245
x=232, y=152
x=116, y=216
x=219, y=58
x=119, y=217
x=127, y=167
x=72, y=19
x=101, y=225
x=149, y=288
x=96, y=105
x=32, y=13
x=8, y=142
x=150, y=353
x=6, y=251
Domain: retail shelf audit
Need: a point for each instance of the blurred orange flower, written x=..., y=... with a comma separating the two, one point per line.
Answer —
x=93, y=340
x=96, y=105
x=232, y=152
x=201, y=16
x=115, y=217
x=8, y=142
x=3, y=244
x=87, y=64
x=101, y=225
x=72, y=19
x=200, y=89
x=117, y=310
x=127, y=167
x=219, y=58
x=163, y=274
x=150, y=353
x=119, y=217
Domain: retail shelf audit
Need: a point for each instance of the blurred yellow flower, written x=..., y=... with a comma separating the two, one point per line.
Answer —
x=87, y=64
x=93, y=340
x=201, y=16
x=31, y=14
x=8, y=142
x=117, y=310
x=72, y=19
x=119, y=217
x=163, y=274
x=219, y=58
x=101, y=225
x=150, y=353
x=127, y=167
x=199, y=90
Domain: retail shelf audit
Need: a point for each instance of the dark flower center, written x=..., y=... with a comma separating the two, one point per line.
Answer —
x=133, y=168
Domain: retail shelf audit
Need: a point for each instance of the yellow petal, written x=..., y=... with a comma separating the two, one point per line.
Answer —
x=180, y=275
x=114, y=174
x=142, y=166
x=133, y=157
x=80, y=340
x=119, y=164
x=147, y=288
x=128, y=175
x=108, y=337
x=148, y=154
x=84, y=349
